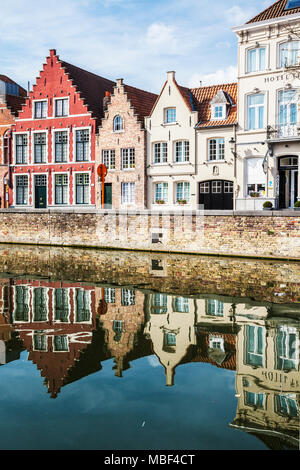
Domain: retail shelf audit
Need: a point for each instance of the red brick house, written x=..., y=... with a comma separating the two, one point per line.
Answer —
x=12, y=96
x=121, y=146
x=53, y=148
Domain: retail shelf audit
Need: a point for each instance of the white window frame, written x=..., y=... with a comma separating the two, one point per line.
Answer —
x=54, y=131
x=247, y=107
x=58, y=173
x=15, y=189
x=47, y=304
x=109, y=159
x=54, y=306
x=74, y=188
x=161, y=144
x=75, y=129
x=154, y=192
x=217, y=139
x=213, y=112
x=33, y=109
x=129, y=150
x=122, y=123
x=75, y=307
x=15, y=303
x=15, y=148
x=40, y=131
x=166, y=110
x=257, y=68
x=282, y=43
x=130, y=193
x=185, y=144
x=54, y=106
x=57, y=350
x=184, y=183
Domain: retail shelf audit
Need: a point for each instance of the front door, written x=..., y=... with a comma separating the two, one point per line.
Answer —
x=216, y=195
x=108, y=195
x=40, y=192
x=288, y=182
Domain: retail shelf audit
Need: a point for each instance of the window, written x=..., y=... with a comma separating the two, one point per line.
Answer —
x=183, y=192
x=21, y=148
x=257, y=59
x=216, y=187
x=127, y=297
x=109, y=159
x=216, y=149
x=182, y=151
x=170, y=339
x=60, y=343
x=40, y=304
x=214, y=308
x=255, y=346
x=161, y=192
x=22, y=306
x=128, y=159
x=22, y=190
x=286, y=405
x=62, y=107
x=118, y=329
x=181, y=305
x=159, y=304
x=217, y=342
x=118, y=124
x=289, y=54
x=205, y=188
x=256, y=107
x=40, y=149
x=83, y=306
x=219, y=111
x=128, y=193
x=61, y=146
x=82, y=145
x=61, y=311
x=286, y=349
x=61, y=189
x=110, y=295
x=39, y=342
x=228, y=187
x=160, y=152
x=82, y=188
x=40, y=109
x=288, y=114
x=170, y=115
x=256, y=178
x=254, y=399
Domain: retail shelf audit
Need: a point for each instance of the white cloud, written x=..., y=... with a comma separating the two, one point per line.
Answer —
x=227, y=75
x=237, y=15
x=160, y=34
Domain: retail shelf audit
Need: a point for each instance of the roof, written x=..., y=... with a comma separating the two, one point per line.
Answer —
x=202, y=103
x=274, y=11
x=91, y=87
x=14, y=103
x=141, y=100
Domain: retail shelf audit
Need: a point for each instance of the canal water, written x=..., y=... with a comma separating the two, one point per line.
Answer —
x=117, y=351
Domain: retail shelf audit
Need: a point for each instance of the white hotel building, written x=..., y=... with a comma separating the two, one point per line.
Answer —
x=268, y=133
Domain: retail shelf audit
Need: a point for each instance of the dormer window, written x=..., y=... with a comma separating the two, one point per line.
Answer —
x=218, y=112
x=118, y=123
x=170, y=115
x=219, y=106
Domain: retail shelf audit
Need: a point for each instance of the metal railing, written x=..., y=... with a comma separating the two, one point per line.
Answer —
x=283, y=131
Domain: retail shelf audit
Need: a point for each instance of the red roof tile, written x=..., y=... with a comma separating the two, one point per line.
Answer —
x=274, y=11
x=141, y=100
x=202, y=98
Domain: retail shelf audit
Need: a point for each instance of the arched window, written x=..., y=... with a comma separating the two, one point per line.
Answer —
x=118, y=123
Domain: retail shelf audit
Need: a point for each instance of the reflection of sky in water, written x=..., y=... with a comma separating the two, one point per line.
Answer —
x=102, y=411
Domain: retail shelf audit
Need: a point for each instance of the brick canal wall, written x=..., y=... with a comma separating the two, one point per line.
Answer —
x=273, y=281
x=260, y=234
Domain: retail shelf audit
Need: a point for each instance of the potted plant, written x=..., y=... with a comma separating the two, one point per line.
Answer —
x=160, y=201
x=254, y=194
x=297, y=206
x=267, y=206
x=182, y=201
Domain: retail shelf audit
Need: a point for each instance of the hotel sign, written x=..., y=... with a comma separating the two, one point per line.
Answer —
x=282, y=77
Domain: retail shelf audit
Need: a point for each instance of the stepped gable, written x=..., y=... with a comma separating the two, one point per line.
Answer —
x=202, y=103
x=141, y=100
x=91, y=87
x=276, y=10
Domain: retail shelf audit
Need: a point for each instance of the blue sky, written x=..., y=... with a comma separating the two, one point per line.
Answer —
x=138, y=40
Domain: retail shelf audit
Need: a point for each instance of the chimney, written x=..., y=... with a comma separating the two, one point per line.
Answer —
x=52, y=52
x=106, y=100
x=120, y=82
x=170, y=76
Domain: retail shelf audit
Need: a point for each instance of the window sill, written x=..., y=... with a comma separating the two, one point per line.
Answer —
x=119, y=132
x=170, y=123
x=182, y=163
x=216, y=161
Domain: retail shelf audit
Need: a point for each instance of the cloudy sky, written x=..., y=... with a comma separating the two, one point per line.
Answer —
x=138, y=40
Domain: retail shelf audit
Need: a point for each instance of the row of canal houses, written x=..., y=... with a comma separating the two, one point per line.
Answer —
x=228, y=147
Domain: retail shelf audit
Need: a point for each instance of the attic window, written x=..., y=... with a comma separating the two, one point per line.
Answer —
x=218, y=112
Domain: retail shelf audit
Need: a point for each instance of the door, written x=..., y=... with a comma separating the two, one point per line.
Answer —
x=216, y=195
x=282, y=190
x=40, y=191
x=108, y=195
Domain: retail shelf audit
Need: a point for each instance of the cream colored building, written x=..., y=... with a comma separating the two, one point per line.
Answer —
x=170, y=326
x=268, y=133
x=190, y=158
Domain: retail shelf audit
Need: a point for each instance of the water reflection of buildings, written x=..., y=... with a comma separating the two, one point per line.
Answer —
x=69, y=329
